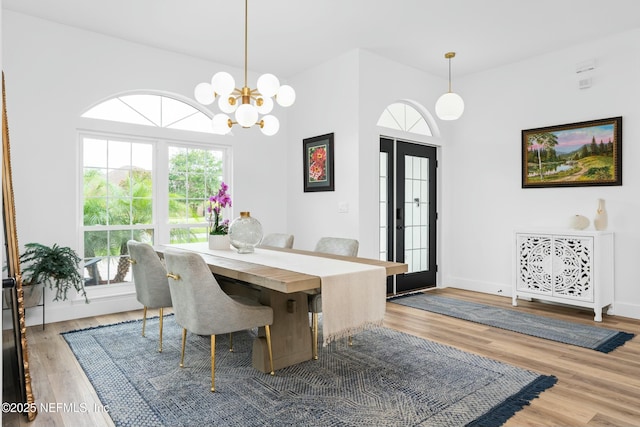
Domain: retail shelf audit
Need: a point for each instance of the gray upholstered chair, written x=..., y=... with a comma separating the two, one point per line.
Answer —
x=278, y=240
x=150, y=279
x=201, y=307
x=335, y=246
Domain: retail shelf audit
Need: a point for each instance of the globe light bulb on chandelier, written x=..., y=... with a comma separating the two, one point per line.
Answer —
x=449, y=106
x=249, y=106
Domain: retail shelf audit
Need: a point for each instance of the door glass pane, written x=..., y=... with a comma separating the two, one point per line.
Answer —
x=384, y=204
x=416, y=213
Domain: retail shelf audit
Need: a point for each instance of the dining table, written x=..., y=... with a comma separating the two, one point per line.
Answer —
x=353, y=291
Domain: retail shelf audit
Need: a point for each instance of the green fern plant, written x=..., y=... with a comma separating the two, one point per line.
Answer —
x=56, y=267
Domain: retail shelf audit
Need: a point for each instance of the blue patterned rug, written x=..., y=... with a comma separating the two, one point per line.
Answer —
x=386, y=378
x=593, y=337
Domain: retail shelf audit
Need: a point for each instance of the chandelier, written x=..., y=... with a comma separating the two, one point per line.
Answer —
x=251, y=106
x=449, y=106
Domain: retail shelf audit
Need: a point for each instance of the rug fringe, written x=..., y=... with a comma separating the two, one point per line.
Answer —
x=614, y=342
x=346, y=333
x=499, y=414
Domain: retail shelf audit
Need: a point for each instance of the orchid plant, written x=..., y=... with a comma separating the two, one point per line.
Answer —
x=221, y=200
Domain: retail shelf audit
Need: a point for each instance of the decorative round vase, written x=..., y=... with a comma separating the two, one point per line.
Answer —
x=601, y=219
x=219, y=241
x=245, y=232
x=578, y=222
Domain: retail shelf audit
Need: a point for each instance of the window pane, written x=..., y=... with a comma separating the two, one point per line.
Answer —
x=152, y=110
x=405, y=117
x=174, y=110
x=142, y=210
x=195, y=175
x=95, y=182
x=142, y=156
x=94, y=212
x=119, y=154
x=94, y=153
x=197, y=122
x=117, y=111
x=148, y=106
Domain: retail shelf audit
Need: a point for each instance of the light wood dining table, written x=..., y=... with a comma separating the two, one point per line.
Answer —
x=285, y=291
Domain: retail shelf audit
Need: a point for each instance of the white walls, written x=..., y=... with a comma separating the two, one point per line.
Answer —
x=486, y=202
x=53, y=73
x=327, y=101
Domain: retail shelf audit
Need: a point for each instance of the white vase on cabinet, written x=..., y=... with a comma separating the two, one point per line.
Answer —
x=601, y=219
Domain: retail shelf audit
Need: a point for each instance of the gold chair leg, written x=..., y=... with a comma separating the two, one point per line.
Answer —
x=184, y=341
x=161, y=317
x=314, y=339
x=213, y=363
x=350, y=340
x=230, y=341
x=144, y=319
x=267, y=331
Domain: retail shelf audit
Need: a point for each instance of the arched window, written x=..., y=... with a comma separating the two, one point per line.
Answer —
x=403, y=116
x=151, y=110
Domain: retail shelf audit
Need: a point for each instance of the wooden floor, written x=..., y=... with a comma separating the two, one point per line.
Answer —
x=593, y=389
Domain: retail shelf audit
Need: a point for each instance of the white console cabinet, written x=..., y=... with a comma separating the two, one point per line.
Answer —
x=567, y=266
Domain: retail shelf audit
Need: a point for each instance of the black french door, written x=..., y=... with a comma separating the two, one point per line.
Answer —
x=408, y=212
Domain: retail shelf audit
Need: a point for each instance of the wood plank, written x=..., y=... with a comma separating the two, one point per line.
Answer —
x=593, y=389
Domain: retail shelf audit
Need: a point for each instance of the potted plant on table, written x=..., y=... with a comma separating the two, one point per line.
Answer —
x=218, y=228
x=56, y=267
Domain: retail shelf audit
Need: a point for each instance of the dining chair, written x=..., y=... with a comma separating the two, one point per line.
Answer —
x=150, y=279
x=203, y=308
x=278, y=240
x=335, y=246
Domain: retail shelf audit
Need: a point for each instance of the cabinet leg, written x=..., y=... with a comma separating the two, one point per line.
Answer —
x=598, y=312
x=514, y=300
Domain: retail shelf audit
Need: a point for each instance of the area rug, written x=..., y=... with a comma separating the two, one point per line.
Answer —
x=593, y=337
x=387, y=378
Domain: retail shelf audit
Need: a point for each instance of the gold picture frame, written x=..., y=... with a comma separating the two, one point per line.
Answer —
x=12, y=260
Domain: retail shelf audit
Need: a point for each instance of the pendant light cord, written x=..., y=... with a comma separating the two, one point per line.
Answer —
x=246, y=20
x=449, y=75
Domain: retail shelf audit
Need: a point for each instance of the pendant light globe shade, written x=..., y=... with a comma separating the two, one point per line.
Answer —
x=267, y=105
x=246, y=115
x=220, y=124
x=268, y=85
x=223, y=83
x=225, y=106
x=204, y=93
x=449, y=106
x=286, y=96
x=270, y=125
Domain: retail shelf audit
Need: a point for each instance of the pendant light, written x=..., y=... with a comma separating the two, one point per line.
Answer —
x=449, y=106
x=251, y=106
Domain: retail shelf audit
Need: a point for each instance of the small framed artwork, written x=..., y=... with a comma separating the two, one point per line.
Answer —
x=573, y=155
x=318, y=163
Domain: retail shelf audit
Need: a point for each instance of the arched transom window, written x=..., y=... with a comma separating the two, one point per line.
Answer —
x=401, y=116
x=151, y=110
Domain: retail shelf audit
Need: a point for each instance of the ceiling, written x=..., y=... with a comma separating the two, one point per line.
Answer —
x=289, y=36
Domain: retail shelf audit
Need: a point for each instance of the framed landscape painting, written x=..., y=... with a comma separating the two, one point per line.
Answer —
x=318, y=163
x=574, y=155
